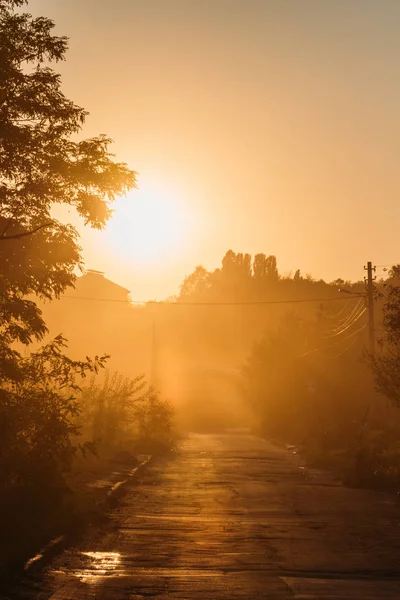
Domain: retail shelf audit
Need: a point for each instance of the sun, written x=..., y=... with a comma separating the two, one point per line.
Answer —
x=149, y=226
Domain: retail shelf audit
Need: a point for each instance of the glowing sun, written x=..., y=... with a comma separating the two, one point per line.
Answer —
x=151, y=225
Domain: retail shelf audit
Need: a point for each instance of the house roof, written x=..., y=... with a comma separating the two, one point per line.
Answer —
x=93, y=284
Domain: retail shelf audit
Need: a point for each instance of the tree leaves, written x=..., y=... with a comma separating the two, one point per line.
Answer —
x=42, y=164
x=38, y=410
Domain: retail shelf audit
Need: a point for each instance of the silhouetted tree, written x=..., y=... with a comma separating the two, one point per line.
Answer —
x=273, y=377
x=297, y=275
x=196, y=283
x=38, y=411
x=264, y=267
x=41, y=165
x=386, y=362
x=271, y=268
x=260, y=266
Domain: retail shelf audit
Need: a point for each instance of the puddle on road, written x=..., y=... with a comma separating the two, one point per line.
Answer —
x=101, y=564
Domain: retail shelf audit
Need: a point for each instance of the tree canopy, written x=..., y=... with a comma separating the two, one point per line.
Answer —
x=43, y=163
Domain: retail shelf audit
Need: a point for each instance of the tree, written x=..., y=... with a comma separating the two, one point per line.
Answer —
x=38, y=417
x=259, y=266
x=154, y=418
x=273, y=378
x=235, y=274
x=195, y=284
x=386, y=363
x=40, y=166
x=264, y=267
x=271, y=268
x=108, y=406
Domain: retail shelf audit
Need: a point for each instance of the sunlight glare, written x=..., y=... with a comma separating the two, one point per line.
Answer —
x=150, y=226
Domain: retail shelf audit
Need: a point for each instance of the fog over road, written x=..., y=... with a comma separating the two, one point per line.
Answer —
x=232, y=516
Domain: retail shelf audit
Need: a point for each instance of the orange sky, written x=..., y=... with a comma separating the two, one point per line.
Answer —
x=273, y=124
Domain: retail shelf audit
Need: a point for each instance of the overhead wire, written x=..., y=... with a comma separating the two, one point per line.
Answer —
x=333, y=344
x=344, y=322
x=350, y=324
x=243, y=303
x=342, y=352
x=253, y=303
x=341, y=311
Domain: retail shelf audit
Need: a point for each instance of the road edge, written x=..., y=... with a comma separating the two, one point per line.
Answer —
x=61, y=541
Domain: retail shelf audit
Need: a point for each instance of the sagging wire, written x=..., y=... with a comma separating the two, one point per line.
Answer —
x=353, y=314
x=353, y=342
x=333, y=344
x=354, y=320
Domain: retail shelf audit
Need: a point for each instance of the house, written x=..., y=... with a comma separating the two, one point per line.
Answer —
x=94, y=285
x=97, y=317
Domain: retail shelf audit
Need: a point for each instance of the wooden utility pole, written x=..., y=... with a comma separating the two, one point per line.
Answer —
x=370, y=298
x=153, y=364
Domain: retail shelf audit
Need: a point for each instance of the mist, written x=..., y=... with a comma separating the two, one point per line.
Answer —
x=199, y=299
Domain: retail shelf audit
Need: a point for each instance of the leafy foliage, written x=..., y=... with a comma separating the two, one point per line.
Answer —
x=154, y=417
x=120, y=409
x=38, y=416
x=107, y=406
x=242, y=277
x=386, y=363
x=273, y=375
x=40, y=166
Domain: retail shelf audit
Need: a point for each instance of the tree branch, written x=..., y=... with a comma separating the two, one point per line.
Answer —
x=25, y=233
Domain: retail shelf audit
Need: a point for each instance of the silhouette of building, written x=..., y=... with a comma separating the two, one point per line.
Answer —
x=94, y=285
x=97, y=317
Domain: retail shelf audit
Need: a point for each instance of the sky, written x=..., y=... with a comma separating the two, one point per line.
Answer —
x=254, y=125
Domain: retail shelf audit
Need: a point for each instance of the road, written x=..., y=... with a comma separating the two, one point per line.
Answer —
x=232, y=516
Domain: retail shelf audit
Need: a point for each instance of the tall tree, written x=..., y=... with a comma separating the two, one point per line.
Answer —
x=264, y=267
x=259, y=266
x=386, y=363
x=271, y=268
x=195, y=284
x=41, y=165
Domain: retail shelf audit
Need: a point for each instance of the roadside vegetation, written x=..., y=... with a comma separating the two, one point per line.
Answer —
x=306, y=375
x=44, y=402
x=315, y=384
x=118, y=413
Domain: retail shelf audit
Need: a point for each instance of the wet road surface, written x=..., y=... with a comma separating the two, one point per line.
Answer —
x=232, y=516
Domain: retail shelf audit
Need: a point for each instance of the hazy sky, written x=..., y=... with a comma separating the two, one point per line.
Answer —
x=257, y=125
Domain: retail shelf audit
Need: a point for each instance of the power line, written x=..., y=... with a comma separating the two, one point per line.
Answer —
x=340, y=312
x=333, y=344
x=344, y=322
x=244, y=303
x=101, y=299
x=360, y=314
x=354, y=340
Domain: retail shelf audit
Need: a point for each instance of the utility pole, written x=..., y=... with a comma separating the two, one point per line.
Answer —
x=370, y=299
x=153, y=365
x=154, y=352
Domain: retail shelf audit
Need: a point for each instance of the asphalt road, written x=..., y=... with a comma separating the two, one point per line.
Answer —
x=232, y=516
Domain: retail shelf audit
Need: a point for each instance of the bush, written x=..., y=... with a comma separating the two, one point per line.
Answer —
x=38, y=411
x=107, y=408
x=154, y=419
x=122, y=411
